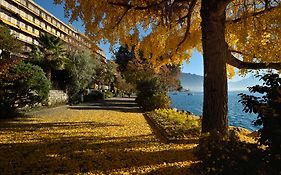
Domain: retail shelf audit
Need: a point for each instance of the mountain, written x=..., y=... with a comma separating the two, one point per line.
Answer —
x=243, y=84
x=191, y=81
x=195, y=83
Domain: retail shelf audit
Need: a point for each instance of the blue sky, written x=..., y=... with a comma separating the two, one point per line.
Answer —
x=195, y=65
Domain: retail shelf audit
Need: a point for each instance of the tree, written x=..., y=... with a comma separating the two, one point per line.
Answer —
x=8, y=43
x=218, y=28
x=27, y=86
x=268, y=109
x=81, y=70
x=50, y=54
x=135, y=69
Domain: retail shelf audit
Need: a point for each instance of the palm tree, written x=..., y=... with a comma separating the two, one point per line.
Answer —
x=50, y=53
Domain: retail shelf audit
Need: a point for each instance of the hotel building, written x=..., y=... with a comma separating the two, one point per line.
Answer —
x=27, y=20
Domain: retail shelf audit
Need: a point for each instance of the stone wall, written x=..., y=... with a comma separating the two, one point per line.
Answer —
x=57, y=97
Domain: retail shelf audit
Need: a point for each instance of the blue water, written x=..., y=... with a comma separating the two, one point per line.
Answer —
x=194, y=104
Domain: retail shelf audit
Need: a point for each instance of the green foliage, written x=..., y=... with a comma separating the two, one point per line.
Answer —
x=122, y=57
x=108, y=94
x=81, y=69
x=152, y=94
x=176, y=125
x=8, y=43
x=268, y=108
x=50, y=55
x=28, y=87
x=180, y=118
x=134, y=69
x=225, y=154
x=94, y=95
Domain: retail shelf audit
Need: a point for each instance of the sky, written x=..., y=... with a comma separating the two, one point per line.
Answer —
x=194, y=66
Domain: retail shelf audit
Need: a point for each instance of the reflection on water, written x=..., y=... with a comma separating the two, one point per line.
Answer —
x=194, y=104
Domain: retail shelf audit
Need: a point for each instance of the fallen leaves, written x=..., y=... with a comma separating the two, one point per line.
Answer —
x=67, y=141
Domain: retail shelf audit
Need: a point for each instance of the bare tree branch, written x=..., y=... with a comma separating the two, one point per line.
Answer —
x=137, y=7
x=251, y=15
x=188, y=21
x=120, y=19
x=233, y=61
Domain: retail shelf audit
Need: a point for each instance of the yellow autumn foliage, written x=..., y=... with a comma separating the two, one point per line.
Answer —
x=174, y=27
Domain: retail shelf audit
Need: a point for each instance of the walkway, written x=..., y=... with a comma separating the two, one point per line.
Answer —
x=101, y=138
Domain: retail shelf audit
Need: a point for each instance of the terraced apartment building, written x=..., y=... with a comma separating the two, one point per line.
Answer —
x=27, y=20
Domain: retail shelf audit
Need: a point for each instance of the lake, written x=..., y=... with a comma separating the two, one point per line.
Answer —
x=194, y=104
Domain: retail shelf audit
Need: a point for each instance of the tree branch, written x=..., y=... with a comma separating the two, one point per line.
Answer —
x=251, y=15
x=233, y=61
x=120, y=19
x=188, y=20
x=137, y=7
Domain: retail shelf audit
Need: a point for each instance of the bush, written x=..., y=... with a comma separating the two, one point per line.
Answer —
x=268, y=108
x=228, y=155
x=176, y=125
x=95, y=95
x=108, y=94
x=157, y=101
x=28, y=87
x=152, y=94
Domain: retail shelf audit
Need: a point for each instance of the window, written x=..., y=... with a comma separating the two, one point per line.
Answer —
x=58, y=33
x=13, y=20
x=21, y=24
x=42, y=24
x=30, y=6
x=48, y=18
x=36, y=10
x=29, y=28
x=36, y=32
x=49, y=28
x=37, y=22
x=43, y=15
x=23, y=2
x=29, y=17
x=22, y=13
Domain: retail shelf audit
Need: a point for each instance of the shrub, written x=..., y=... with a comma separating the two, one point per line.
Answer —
x=108, y=94
x=95, y=95
x=152, y=94
x=157, y=101
x=268, y=108
x=177, y=125
x=28, y=87
x=227, y=155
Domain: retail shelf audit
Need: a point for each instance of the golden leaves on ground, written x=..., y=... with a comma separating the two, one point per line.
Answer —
x=67, y=141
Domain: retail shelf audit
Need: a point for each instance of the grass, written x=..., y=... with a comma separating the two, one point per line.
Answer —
x=68, y=141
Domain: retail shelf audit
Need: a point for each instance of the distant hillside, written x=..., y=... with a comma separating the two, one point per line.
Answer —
x=195, y=83
x=243, y=84
x=192, y=81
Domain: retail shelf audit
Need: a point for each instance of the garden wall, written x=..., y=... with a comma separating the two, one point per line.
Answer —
x=57, y=97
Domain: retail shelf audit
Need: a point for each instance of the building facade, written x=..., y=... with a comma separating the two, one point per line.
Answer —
x=27, y=20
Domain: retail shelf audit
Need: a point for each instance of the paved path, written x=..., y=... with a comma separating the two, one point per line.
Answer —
x=110, y=137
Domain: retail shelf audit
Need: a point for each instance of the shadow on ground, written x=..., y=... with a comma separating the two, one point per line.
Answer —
x=48, y=151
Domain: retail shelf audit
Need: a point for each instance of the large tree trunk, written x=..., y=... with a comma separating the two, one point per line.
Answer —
x=215, y=55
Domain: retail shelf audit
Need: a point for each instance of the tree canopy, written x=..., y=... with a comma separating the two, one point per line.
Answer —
x=253, y=27
x=50, y=54
x=242, y=33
